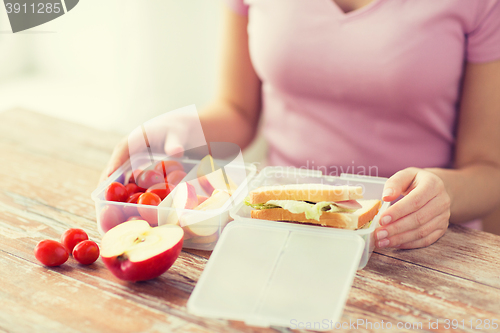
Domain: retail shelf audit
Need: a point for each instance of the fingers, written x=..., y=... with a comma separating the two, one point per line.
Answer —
x=137, y=141
x=429, y=186
x=411, y=236
x=168, y=132
x=399, y=184
x=103, y=176
x=119, y=156
x=430, y=239
x=173, y=145
x=418, y=219
x=412, y=221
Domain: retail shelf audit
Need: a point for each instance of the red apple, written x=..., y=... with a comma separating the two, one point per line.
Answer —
x=134, y=251
x=210, y=177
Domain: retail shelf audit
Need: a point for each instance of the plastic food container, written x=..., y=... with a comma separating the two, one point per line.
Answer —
x=286, y=274
x=203, y=228
x=372, y=189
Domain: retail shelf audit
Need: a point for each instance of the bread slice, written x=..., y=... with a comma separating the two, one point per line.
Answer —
x=306, y=192
x=344, y=220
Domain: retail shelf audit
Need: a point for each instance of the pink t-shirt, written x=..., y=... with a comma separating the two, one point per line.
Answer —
x=372, y=91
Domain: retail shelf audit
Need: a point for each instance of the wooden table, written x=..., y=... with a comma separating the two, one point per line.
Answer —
x=49, y=168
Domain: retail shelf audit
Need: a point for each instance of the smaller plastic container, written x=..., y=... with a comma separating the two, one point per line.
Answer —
x=207, y=225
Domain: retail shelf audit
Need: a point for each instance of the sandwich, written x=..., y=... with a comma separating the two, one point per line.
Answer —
x=326, y=205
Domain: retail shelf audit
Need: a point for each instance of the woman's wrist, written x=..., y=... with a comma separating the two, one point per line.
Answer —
x=474, y=190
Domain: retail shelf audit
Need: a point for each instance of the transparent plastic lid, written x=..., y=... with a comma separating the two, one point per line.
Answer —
x=275, y=273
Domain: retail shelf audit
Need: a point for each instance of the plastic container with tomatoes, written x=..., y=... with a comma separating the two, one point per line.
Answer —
x=142, y=193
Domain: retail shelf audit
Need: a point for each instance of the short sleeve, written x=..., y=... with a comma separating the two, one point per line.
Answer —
x=237, y=6
x=483, y=42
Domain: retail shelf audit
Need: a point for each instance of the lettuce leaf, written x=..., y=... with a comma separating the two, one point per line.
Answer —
x=259, y=205
x=311, y=210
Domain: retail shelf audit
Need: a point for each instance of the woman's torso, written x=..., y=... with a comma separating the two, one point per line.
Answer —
x=368, y=92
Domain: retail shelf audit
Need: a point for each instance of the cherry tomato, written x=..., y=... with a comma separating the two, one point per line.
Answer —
x=166, y=167
x=133, y=188
x=51, y=253
x=148, y=178
x=170, y=186
x=131, y=210
x=175, y=177
x=110, y=217
x=116, y=192
x=73, y=236
x=149, y=198
x=134, y=197
x=148, y=213
x=133, y=175
x=161, y=190
x=86, y=252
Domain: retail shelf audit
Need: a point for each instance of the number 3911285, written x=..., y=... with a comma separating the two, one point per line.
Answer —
x=39, y=8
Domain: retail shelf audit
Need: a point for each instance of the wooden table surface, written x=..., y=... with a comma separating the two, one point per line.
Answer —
x=48, y=169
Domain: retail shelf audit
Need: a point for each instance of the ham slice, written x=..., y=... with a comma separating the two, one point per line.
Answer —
x=348, y=204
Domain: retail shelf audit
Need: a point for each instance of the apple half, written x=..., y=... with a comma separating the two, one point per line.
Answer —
x=211, y=177
x=134, y=251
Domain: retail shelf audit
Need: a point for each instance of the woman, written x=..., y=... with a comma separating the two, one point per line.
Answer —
x=408, y=87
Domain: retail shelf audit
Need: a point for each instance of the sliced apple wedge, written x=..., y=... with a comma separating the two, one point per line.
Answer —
x=211, y=177
x=134, y=251
x=184, y=197
x=206, y=225
x=204, y=240
x=215, y=201
x=201, y=198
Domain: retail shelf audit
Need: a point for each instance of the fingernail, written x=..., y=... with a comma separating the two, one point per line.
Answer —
x=387, y=192
x=382, y=234
x=109, y=171
x=385, y=220
x=383, y=243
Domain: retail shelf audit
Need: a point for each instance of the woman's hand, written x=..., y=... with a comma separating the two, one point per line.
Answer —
x=118, y=157
x=421, y=217
x=171, y=133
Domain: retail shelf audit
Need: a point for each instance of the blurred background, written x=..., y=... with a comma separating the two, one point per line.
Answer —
x=114, y=64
